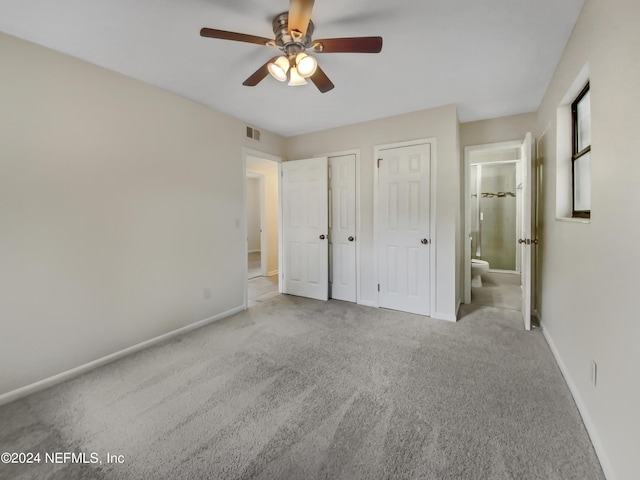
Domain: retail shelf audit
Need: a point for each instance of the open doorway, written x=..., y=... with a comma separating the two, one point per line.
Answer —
x=494, y=230
x=262, y=226
x=498, y=199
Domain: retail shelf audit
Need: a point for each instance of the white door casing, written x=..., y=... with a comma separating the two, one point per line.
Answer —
x=403, y=228
x=525, y=238
x=342, y=227
x=304, y=228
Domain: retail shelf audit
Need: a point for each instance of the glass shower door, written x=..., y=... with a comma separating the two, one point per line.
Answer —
x=496, y=219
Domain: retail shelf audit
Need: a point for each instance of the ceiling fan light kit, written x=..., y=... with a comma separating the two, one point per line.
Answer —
x=279, y=68
x=293, y=31
x=294, y=68
x=295, y=79
x=306, y=65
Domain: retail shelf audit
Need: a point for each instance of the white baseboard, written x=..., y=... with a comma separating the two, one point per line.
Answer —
x=445, y=316
x=586, y=418
x=367, y=303
x=74, y=372
x=272, y=272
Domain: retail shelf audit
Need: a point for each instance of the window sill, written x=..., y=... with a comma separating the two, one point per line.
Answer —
x=573, y=219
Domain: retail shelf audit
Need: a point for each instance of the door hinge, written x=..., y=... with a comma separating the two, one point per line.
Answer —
x=378, y=287
x=379, y=160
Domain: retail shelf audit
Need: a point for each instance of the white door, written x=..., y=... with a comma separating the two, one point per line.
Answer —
x=304, y=228
x=342, y=227
x=525, y=237
x=403, y=234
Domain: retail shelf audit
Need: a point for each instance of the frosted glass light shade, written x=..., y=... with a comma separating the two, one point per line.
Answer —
x=279, y=68
x=295, y=79
x=306, y=65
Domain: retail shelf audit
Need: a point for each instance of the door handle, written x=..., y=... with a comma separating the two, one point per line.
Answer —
x=424, y=241
x=322, y=237
x=351, y=239
x=520, y=240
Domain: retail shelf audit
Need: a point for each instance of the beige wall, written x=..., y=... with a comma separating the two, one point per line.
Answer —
x=119, y=204
x=440, y=123
x=269, y=169
x=494, y=130
x=590, y=271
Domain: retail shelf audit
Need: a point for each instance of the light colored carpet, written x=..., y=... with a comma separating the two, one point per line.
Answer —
x=300, y=389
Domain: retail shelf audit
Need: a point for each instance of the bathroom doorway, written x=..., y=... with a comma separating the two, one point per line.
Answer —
x=498, y=226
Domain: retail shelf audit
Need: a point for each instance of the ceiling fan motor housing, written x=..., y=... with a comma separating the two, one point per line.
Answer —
x=290, y=44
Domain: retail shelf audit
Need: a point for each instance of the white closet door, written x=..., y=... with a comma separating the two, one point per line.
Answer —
x=342, y=227
x=304, y=221
x=403, y=239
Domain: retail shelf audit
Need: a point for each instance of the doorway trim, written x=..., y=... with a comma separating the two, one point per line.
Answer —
x=432, y=214
x=249, y=152
x=468, y=152
x=356, y=152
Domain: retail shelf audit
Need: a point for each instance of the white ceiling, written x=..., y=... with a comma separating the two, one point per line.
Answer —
x=489, y=57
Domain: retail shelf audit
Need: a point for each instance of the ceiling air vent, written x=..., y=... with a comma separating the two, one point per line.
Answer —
x=253, y=133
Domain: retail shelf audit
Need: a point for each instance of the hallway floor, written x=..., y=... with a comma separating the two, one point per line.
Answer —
x=261, y=289
x=500, y=290
x=254, y=265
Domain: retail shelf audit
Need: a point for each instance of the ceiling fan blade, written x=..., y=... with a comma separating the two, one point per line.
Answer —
x=320, y=80
x=348, y=45
x=237, y=37
x=299, y=15
x=259, y=74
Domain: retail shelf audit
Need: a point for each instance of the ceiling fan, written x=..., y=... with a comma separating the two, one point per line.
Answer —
x=293, y=31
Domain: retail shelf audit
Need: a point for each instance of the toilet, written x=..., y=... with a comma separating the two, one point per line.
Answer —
x=478, y=268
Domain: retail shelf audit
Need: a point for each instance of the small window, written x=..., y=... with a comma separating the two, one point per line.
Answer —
x=581, y=154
